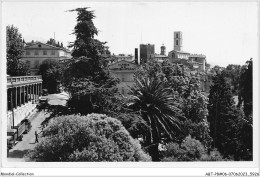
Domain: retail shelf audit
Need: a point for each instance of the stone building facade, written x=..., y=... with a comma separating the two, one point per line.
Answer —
x=23, y=93
x=146, y=52
x=124, y=71
x=36, y=53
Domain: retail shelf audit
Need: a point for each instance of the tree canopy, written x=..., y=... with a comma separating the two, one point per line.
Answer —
x=14, y=52
x=95, y=137
x=86, y=78
x=51, y=71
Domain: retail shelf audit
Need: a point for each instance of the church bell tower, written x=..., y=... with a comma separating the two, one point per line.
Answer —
x=163, y=50
x=177, y=38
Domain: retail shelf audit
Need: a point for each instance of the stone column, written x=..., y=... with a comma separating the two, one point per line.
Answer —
x=20, y=96
x=24, y=94
x=29, y=92
x=15, y=97
x=37, y=86
x=32, y=91
x=40, y=89
x=35, y=92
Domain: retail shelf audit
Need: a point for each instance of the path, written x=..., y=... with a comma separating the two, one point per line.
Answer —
x=28, y=142
x=16, y=154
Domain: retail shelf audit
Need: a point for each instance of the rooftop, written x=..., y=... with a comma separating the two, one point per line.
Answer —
x=179, y=52
x=41, y=43
x=198, y=55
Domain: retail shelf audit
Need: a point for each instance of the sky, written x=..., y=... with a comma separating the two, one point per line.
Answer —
x=226, y=32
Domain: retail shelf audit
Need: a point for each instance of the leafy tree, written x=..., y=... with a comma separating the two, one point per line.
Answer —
x=246, y=88
x=187, y=97
x=221, y=114
x=89, y=84
x=51, y=71
x=94, y=137
x=244, y=139
x=134, y=124
x=158, y=108
x=213, y=155
x=193, y=104
x=245, y=133
x=217, y=69
x=14, y=51
x=231, y=128
x=232, y=72
x=189, y=149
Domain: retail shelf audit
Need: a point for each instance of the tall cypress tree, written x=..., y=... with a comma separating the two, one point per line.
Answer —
x=85, y=78
x=87, y=51
x=221, y=114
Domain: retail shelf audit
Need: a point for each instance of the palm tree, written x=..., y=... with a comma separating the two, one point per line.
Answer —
x=155, y=100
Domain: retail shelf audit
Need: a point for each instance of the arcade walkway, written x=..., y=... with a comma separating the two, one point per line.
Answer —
x=22, y=147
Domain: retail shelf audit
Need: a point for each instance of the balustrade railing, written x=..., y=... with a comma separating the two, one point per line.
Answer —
x=16, y=79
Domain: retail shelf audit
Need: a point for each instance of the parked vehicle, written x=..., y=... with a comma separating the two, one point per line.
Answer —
x=28, y=125
x=44, y=92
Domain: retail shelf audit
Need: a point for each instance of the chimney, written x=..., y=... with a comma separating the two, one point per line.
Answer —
x=136, y=56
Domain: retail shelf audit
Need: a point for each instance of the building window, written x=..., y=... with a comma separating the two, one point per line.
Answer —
x=44, y=52
x=27, y=53
x=177, y=36
x=53, y=52
x=36, y=52
x=177, y=42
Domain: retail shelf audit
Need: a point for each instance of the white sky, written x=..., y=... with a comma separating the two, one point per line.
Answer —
x=226, y=32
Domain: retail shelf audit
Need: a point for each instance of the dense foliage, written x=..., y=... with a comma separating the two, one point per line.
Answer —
x=14, y=52
x=221, y=106
x=230, y=128
x=245, y=125
x=184, y=91
x=94, y=137
x=51, y=71
x=165, y=105
x=189, y=150
x=232, y=73
x=85, y=78
x=158, y=109
x=246, y=88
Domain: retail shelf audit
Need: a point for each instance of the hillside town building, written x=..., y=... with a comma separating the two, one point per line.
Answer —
x=36, y=53
x=123, y=66
x=126, y=57
x=177, y=55
x=146, y=52
x=123, y=70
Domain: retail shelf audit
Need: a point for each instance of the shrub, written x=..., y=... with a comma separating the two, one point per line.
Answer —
x=94, y=137
x=189, y=150
x=214, y=155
